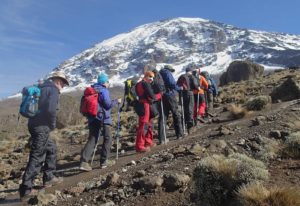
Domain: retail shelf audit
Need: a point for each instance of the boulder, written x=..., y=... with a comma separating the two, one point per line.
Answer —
x=241, y=70
x=287, y=91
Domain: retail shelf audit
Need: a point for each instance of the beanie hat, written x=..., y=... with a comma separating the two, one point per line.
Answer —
x=102, y=78
x=149, y=74
x=189, y=69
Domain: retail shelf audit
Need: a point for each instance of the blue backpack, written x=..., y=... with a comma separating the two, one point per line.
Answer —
x=30, y=101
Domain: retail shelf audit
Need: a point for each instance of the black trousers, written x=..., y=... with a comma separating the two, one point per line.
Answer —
x=97, y=130
x=42, y=154
x=188, y=105
x=170, y=104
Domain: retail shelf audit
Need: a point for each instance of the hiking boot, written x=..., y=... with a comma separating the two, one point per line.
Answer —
x=147, y=149
x=180, y=136
x=28, y=195
x=152, y=145
x=163, y=141
x=107, y=163
x=53, y=181
x=84, y=166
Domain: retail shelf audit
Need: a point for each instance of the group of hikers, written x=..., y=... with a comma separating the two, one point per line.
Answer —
x=154, y=94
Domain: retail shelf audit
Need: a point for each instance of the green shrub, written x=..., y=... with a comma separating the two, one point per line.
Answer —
x=258, y=103
x=292, y=146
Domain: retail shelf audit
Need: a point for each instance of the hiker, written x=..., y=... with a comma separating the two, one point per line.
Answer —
x=145, y=93
x=100, y=125
x=187, y=82
x=199, y=96
x=43, y=150
x=170, y=103
x=129, y=99
x=211, y=92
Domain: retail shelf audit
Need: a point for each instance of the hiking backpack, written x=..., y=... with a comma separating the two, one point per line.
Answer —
x=30, y=101
x=184, y=81
x=130, y=92
x=89, y=102
x=158, y=84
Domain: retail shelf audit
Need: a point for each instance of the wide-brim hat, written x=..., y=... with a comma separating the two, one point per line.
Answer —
x=60, y=75
x=169, y=67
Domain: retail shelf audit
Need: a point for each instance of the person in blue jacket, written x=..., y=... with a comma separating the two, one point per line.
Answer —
x=170, y=103
x=99, y=126
x=43, y=149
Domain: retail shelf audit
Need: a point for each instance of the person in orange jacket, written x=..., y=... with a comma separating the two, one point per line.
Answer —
x=200, y=92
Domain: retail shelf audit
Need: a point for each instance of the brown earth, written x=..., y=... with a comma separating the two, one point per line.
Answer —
x=140, y=179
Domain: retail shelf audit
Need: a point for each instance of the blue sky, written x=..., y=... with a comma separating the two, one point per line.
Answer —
x=38, y=35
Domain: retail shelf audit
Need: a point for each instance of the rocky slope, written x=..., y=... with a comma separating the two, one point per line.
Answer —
x=167, y=175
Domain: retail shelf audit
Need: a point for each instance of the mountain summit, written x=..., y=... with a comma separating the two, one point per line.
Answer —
x=179, y=42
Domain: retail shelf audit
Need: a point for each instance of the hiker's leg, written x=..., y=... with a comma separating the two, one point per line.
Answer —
x=39, y=138
x=173, y=105
x=50, y=162
x=106, y=143
x=87, y=151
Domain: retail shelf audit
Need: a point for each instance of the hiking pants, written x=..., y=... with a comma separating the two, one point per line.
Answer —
x=97, y=130
x=42, y=153
x=210, y=101
x=170, y=104
x=201, y=107
x=188, y=106
x=144, y=135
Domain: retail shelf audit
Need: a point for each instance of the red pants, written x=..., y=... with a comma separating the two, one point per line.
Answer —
x=201, y=110
x=144, y=136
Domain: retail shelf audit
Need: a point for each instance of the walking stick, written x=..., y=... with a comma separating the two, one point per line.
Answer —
x=197, y=109
x=118, y=131
x=182, y=112
x=95, y=149
x=163, y=119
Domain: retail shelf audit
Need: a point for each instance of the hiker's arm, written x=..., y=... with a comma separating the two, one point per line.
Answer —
x=52, y=107
x=149, y=91
x=105, y=100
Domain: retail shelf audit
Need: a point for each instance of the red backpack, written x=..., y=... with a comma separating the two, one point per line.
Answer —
x=89, y=102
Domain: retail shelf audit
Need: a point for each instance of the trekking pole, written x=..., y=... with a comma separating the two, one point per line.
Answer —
x=182, y=112
x=95, y=149
x=163, y=119
x=197, y=109
x=118, y=131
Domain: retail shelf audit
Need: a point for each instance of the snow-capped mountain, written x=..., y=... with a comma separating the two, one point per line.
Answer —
x=179, y=42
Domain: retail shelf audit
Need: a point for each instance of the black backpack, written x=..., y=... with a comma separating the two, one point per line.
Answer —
x=158, y=83
x=184, y=81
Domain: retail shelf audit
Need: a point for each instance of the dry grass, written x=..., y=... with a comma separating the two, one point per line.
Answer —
x=217, y=177
x=255, y=194
x=237, y=111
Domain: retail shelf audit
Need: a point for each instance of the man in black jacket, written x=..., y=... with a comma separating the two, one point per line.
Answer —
x=43, y=148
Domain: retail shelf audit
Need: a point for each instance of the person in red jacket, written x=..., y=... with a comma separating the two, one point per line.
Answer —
x=144, y=136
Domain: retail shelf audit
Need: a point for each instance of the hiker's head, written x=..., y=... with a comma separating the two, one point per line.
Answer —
x=189, y=70
x=59, y=79
x=169, y=67
x=103, y=79
x=149, y=76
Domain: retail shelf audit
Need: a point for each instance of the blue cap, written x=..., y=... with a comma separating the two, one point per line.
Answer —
x=102, y=78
